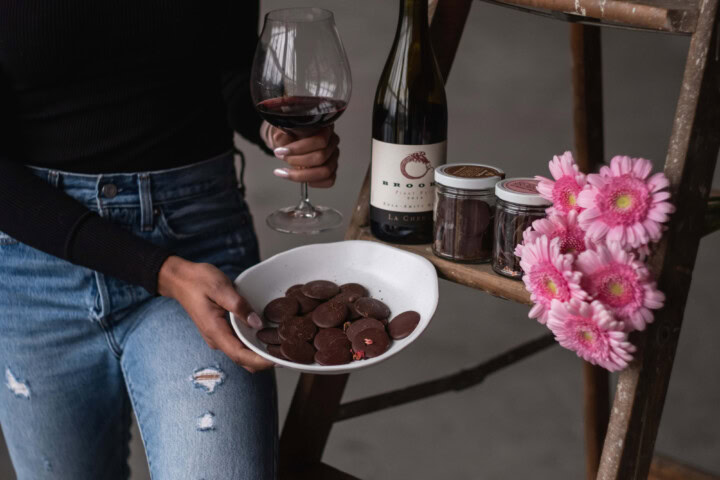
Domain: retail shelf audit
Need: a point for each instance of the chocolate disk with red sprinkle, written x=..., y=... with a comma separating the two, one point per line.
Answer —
x=298, y=351
x=403, y=325
x=325, y=336
x=276, y=351
x=297, y=328
x=360, y=325
x=370, y=307
x=330, y=314
x=281, y=309
x=307, y=304
x=269, y=336
x=354, y=288
x=320, y=289
x=372, y=342
x=334, y=356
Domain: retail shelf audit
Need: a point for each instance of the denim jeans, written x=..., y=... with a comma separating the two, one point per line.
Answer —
x=79, y=350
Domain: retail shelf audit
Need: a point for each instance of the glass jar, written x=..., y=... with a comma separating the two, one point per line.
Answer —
x=518, y=205
x=464, y=210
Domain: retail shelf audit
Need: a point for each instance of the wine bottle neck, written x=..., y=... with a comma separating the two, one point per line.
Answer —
x=414, y=15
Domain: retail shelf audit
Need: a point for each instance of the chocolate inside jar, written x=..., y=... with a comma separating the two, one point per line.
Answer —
x=518, y=206
x=464, y=212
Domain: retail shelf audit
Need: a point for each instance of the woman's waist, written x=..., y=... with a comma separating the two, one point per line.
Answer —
x=126, y=188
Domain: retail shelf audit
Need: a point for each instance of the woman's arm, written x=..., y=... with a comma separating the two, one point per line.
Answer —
x=240, y=41
x=37, y=214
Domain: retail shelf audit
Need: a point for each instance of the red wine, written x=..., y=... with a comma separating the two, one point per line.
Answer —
x=301, y=112
x=409, y=133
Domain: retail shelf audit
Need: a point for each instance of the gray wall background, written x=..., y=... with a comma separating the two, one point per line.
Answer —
x=510, y=105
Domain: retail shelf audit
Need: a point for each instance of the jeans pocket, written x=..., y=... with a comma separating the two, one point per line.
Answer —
x=219, y=212
x=6, y=239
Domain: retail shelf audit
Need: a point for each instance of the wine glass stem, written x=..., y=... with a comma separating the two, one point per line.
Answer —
x=305, y=208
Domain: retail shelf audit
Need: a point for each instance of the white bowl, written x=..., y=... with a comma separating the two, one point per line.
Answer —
x=403, y=280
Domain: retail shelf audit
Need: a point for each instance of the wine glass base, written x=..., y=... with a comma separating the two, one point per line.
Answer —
x=292, y=220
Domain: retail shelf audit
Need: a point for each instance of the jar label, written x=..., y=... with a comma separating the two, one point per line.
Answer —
x=402, y=178
x=522, y=186
x=472, y=171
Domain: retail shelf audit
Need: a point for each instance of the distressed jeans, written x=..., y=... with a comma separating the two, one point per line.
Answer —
x=80, y=350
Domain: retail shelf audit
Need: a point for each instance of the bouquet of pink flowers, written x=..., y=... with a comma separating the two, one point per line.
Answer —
x=584, y=265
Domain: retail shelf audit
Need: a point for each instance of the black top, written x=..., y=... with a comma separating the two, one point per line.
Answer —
x=105, y=87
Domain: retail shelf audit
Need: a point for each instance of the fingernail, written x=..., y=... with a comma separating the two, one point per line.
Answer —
x=254, y=320
x=280, y=152
x=281, y=172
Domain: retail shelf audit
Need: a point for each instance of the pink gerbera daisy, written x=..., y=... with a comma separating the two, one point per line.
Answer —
x=622, y=283
x=529, y=236
x=548, y=275
x=590, y=330
x=564, y=191
x=623, y=204
x=566, y=228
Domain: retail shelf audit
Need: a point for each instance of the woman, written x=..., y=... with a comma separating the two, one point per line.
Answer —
x=121, y=224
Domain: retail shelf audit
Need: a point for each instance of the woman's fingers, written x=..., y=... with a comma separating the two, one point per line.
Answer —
x=311, y=175
x=224, y=339
x=300, y=146
x=314, y=158
x=228, y=298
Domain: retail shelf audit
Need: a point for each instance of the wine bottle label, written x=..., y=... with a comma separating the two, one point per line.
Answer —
x=403, y=177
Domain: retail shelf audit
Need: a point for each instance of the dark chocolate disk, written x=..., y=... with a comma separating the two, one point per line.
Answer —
x=330, y=314
x=281, y=309
x=307, y=304
x=340, y=342
x=320, y=289
x=355, y=288
x=269, y=336
x=298, y=351
x=403, y=325
x=362, y=324
x=372, y=342
x=334, y=356
x=297, y=328
x=294, y=289
x=275, y=351
x=325, y=336
x=370, y=307
x=347, y=297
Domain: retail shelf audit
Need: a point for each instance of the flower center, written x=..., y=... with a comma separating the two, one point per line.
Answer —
x=572, y=241
x=548, y=283
x=551, y=287
x=616, y=288
x=623, y=201
x=586, y=333
x=565, y=193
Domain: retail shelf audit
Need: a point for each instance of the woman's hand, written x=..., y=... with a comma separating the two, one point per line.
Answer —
x=312, y=159
x=206, y=294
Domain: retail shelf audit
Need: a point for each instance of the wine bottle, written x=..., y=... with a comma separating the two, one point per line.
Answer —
x=409, y=133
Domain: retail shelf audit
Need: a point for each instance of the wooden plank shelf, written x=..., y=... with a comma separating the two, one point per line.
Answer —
x=481, y=277
x=671, y=16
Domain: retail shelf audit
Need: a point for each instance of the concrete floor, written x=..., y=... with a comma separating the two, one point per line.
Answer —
x=509, y=104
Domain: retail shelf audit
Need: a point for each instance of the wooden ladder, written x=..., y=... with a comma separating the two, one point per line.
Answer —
x=618, y=446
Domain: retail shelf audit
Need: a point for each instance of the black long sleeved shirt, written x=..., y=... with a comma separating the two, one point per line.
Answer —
x=103, y=87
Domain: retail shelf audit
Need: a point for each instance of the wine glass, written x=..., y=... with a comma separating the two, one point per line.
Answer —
x=300, y=82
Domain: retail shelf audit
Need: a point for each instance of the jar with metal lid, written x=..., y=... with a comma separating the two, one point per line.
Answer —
x=518, y=205
x=464, y=210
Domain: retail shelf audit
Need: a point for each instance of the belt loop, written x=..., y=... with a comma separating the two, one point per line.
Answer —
x=54, y=178
x=146, y=205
